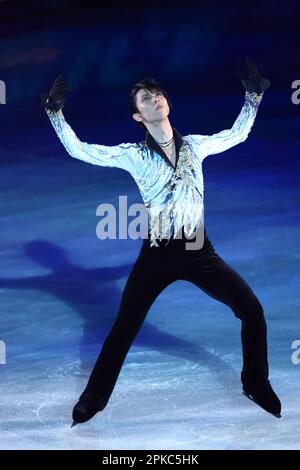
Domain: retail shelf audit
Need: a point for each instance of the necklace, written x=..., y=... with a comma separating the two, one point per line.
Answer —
x=165, y=144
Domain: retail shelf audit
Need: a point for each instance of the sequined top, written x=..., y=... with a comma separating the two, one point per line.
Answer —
x=173, y=195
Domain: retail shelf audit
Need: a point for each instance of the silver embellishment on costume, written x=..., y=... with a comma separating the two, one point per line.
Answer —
x=182, y=204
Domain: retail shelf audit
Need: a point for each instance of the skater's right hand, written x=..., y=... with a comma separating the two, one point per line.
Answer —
x=54, y=100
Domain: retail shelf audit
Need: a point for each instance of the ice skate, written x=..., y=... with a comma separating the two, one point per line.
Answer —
x=87, y=406
x=265, y=397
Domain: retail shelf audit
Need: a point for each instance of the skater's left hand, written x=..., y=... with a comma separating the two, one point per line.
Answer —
x=254, y=82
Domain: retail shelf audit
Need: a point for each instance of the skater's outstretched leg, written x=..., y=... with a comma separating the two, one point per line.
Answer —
x=151, y=273
x=216, y=278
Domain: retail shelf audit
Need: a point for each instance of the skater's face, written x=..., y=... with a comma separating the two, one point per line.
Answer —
x=152, y=106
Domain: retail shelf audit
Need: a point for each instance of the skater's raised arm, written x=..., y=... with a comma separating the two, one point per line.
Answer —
x=255, y=86
x=124, y=156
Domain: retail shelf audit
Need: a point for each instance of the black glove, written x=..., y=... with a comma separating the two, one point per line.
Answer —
x=254, y=83
x=55, y=99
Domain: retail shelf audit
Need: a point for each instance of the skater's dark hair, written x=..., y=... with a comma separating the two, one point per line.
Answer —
x=149, y=84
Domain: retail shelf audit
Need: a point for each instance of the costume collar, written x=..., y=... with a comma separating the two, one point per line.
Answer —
x=152, y=144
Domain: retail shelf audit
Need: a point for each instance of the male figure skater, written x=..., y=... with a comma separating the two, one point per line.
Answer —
x=168, y=171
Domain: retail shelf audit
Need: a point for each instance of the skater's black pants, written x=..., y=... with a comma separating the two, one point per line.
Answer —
x=155, y=269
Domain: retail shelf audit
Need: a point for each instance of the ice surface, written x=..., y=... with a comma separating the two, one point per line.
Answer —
x=179, y=387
